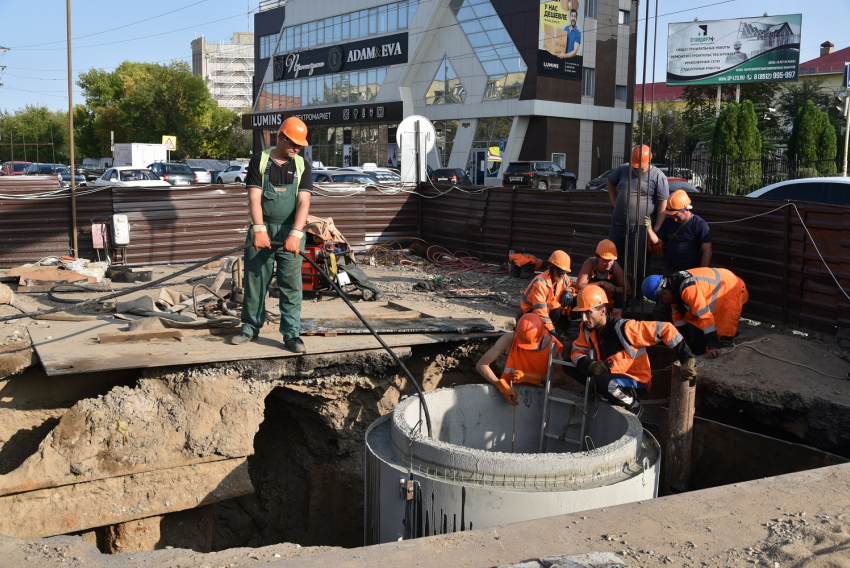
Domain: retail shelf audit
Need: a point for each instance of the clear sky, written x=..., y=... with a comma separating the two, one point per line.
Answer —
x=105, y=33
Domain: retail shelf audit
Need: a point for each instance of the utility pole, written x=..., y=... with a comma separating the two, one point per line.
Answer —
x=846, y=113
x=74, y=247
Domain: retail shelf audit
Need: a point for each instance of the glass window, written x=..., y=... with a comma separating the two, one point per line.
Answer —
x=624, y=18
x=373, y=21
x=620, y=93
x=411, y=10
x=297, y=101
x=289, y=103
x=402, y=15
x=346, y=26
x=446, y=87
x=588, y=82
x=373, y=84
x=590, y=9
x=382, y=19
x=311, y=34
x=328, y=95
x=392, y=18
x=320, y=33
x=337, y=29
x=355, y=25
x=296, y=37
x=364, y=85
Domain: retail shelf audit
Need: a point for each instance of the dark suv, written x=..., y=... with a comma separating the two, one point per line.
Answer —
x=454, y=176
x=175, y=174
x=540, y=175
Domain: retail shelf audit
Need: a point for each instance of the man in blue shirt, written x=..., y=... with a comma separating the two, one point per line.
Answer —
x=573, y=37
x=686, y=235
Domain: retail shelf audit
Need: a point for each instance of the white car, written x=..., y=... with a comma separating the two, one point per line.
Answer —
x=233, y=174
x=202, y=175
x=383, y=175
x=128, y=176
x=829, y=190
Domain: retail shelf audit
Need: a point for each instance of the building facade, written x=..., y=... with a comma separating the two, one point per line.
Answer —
x=502, y=80
x=227, y=69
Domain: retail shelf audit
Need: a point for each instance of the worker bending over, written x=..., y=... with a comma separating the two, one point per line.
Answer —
x=706, y=302
x=528, y=357
x=550, y=295
x=603, y=271
x=621, y=370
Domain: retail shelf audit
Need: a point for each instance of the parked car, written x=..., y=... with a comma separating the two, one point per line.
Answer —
x=233, y=174
x=830, y=190
x=539, y=175
x=600, y=181
x=128, y=176
x=342, y=176
x=685, y=173
x=455, y=176
x=15, y=168
x=62, y=172
x=203, y=175
x=87, y=172
x=173, y=173
x=380, y=174
x=681, y=183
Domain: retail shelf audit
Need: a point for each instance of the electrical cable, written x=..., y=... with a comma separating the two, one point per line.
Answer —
x=749, y=345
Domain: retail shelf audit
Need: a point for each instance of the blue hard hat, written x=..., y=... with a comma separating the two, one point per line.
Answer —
x=650, y=287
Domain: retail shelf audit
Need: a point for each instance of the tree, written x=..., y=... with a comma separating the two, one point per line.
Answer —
x=669, y=132
x=35, y=124
x=813, y=141
x=737, y=141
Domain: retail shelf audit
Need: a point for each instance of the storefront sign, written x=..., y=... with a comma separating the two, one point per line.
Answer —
x=744, y=50
x=560, y=50
x=338, y=116
x=365, y=54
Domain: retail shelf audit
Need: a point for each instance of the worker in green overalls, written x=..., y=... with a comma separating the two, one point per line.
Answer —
x=279, y=184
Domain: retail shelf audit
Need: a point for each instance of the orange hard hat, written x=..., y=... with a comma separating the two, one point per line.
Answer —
x=590, y=297
x=641, y=156
x=560, y=259
x=295, y=129
x=529, y=331
x=678, y=201
x=606, y=249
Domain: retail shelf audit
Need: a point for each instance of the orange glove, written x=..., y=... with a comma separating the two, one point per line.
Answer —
x=507, y=392
x=520, y=378
x=293, y=242
x=261, y=240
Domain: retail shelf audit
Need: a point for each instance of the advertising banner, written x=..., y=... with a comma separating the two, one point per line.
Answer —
x=364, y=54
x=337, y=115
x=559, y=49
x=742, y=50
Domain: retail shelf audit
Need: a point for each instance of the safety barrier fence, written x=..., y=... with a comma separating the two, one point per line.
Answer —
x=788, y=281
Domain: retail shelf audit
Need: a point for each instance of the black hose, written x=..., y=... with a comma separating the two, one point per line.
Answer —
x=92, y=301
x=342, y=295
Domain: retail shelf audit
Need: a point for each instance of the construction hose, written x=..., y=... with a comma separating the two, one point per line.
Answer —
x=86, y=303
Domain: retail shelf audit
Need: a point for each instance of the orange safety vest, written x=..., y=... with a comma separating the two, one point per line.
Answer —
x=534, y=363
x=543, y=295
x=712, y=300
x=633, y=337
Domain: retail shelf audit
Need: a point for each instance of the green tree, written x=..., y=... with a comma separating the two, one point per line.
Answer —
x=669, y=132
x=737, y=141
x=35, y=124
x=813, y=140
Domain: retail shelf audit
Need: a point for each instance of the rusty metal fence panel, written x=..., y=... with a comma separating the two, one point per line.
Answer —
x=788, y=282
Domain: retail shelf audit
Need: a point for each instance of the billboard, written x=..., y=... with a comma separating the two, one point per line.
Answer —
x=559, y=49
x=741, y=50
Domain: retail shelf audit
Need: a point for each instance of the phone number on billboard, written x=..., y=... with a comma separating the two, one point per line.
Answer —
x=761, y=76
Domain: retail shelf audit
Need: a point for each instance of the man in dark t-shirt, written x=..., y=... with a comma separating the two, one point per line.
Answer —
x=686, y=236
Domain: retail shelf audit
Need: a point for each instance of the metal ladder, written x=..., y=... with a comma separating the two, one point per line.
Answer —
x=548, y=398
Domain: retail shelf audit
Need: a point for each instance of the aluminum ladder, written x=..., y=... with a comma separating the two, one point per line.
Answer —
x=548, y=398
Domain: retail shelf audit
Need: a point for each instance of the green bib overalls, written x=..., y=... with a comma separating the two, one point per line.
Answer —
x=278, y=203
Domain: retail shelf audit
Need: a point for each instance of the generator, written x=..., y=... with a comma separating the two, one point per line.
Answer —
x=336, y=260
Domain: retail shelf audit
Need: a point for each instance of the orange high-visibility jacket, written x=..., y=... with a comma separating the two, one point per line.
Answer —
x=534, y=363
x=623, y=342
x=543, y=295
x=711, y=299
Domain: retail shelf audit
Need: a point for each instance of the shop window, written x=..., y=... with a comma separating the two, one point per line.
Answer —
x=446, y=131
x=588, y=82
x=488, y=136
x=620, y=93
x=493, y=46
x=446, y=87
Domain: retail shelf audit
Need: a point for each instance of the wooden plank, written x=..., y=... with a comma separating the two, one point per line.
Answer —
x=127, y=336
x=402, y=305
x=70, y=508
x=353, y=326
x=48, y=273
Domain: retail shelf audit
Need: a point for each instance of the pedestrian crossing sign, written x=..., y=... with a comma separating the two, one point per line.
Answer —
x=170, y=142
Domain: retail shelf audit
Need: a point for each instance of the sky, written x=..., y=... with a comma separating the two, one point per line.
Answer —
x=105, y=33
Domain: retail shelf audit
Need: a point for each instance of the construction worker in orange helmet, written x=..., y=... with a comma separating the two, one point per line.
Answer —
x=707, y=305
x=636, y=189
x=621, y=368
x=528, y=358
x=686, y=236
x=279, y=183
x=550, y=295
x=603, y=271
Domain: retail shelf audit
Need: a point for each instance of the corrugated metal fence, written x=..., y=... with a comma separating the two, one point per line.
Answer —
x=788, y=282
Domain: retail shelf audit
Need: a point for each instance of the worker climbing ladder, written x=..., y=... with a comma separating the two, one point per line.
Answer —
x=548, y=398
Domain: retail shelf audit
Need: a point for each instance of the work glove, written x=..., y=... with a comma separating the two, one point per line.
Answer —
x=647, y=222
x=556, y=335
x=507, y=392
x=567, y=298
x=516, y=376
x=599, y=368
x=688, y=369
x=293, y=242
x=261, y=239
x=520, y=378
